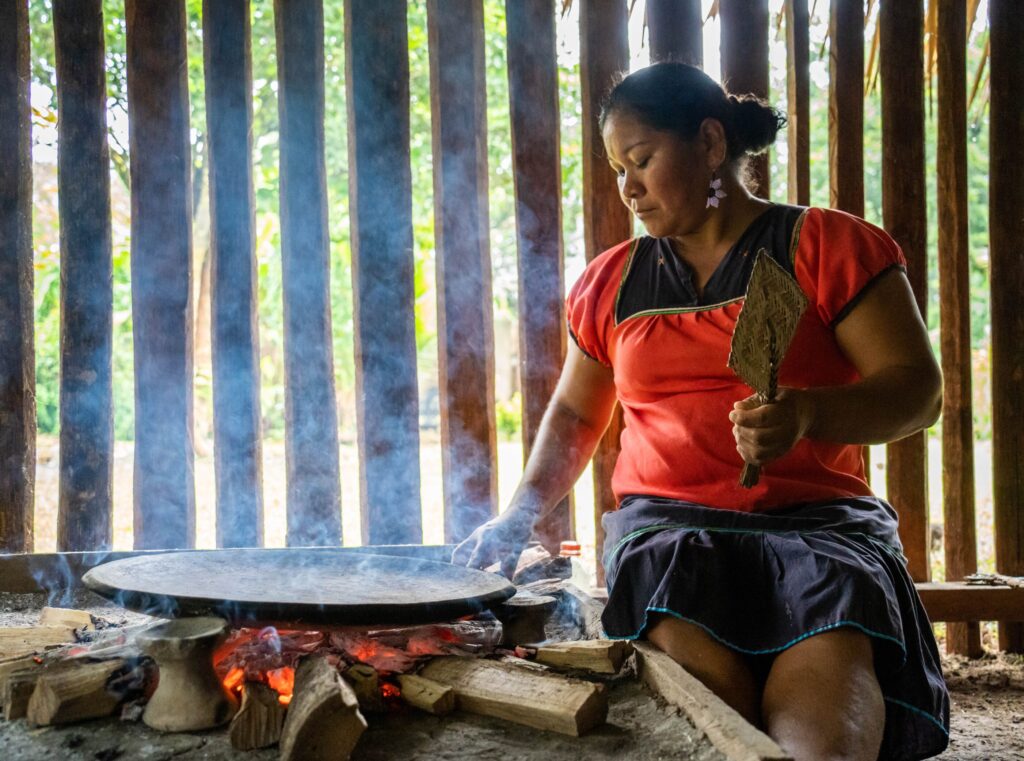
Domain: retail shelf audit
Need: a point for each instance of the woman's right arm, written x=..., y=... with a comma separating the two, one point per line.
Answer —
x=573, y=424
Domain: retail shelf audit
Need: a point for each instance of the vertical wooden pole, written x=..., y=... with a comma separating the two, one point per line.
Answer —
x=1006, y=276
x=604, y=52
x=904, y=212
x=227, y=55
x=798, y=91
x=380, y=199
x=676, y=31
x=533, y=100
x=86, y=314
x=744, y=49
x=17, y=352
x=311, y=416
x=465, y=322
x=161, y=180
x=846, y=106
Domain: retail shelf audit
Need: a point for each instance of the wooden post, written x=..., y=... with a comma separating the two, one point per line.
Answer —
x=904, y=212
x=604, y=52
x=227, y=55
x=311, y=417
x=676, y=31
x=955, y=310
x=17, y=352
x=465, y=324
x=846, y=106
x=161, y=261
x=1006, y=276
x=744, y=48
x=798, y=93
x=537, y=172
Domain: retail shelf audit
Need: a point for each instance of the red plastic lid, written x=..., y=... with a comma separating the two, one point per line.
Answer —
x=570, y=548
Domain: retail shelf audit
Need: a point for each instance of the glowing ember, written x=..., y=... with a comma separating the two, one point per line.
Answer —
x=282, y=681
x=389, y=690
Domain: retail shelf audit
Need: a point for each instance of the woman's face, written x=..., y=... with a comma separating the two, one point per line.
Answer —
x=663, y=178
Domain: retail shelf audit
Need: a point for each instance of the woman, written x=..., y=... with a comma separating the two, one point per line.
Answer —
x=791, y=599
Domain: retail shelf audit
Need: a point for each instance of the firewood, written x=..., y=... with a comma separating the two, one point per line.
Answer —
x=17, y=691
x=730, y=733
x=69, y=617
x=74, y=692
x=365, y=683
x=602, y=656
x=588, y=611
x=23, y=640
x=525, y=696
x=323, y=722
x=259, y=721
x=426, y=694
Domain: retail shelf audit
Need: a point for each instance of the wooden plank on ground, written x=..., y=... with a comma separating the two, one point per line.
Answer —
x=380, y=202
x=464, y=302
x=676, y=31
x=85, y=502
x=730, y=733
x=537, y=175
x=227, y=57
x=744, y=49
x=958, y=601
x=311, y=417
x=904, y=214
x=17, y=353
x=798, y=93
x=161, y=270
x=604, y=52
x=24, y=640
x=960, y=538
x=1006, y=277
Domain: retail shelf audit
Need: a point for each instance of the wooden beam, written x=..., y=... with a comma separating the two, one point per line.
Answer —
x=1006, y=278
x=227, y=57
x=604, y=52
x=676, y=29
x=744, y=49
x=537, y=175
x=161, y=270
x=846, y=106
x=955, y=309
x=904, y=214
x=380, y=201
x=311, y=416
x=798, y=93
x=957, y=601
x=464, y=302
x=17, y=352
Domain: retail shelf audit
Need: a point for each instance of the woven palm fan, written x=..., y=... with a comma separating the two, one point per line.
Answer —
x=764, y=329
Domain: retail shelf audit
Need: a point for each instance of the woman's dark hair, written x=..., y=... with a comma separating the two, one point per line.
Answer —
x=677, y=97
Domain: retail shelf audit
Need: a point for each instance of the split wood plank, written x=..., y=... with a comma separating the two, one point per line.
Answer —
x=426, y=694
x=464, y=302
x=22, y=640
x=311, y=416
x=604, y=52
x=729, y=732
x=323, y=721
x=525, y=696
x=904, y=214
x=537, y=177
x=676, y=29
x=602, y=656
x=17, y=345
x=259, y=721
x=66, y=617
x=744, y=49
x=961, y=546
x=798, y=94
x=959, y=601
x=383, y=271
x=365, y=683
x=588, y=610
x=1006, y=278
x=74, y=691
x=237, y=439
x=85, y=503
x=16, y=692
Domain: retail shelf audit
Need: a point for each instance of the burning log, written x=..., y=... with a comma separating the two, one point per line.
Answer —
x=588, y=611
x=74, y=691
x=525, y=696
x=537, y=563
x=66, y=617
x=601, y=656
x=323, y=722
x=24, y=640
x=366, y=685
x=426, y=694
x=259, y=721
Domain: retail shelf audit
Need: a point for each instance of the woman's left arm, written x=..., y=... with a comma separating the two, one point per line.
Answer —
x=899, y=393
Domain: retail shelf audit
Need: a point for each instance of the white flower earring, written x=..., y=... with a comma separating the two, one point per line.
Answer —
x=715, y=191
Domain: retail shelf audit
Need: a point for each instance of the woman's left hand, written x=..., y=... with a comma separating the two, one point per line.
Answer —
x=765, y=432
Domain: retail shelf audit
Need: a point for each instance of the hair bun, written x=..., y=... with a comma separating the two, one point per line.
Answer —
x=755, y=124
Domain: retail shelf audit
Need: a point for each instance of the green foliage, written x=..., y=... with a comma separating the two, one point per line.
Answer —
x=509, y=416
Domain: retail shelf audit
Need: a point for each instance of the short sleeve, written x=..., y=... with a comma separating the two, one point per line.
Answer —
x=838, y=257
x=590, y=305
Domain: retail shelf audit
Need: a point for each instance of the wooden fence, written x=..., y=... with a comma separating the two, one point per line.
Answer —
x=377, y=82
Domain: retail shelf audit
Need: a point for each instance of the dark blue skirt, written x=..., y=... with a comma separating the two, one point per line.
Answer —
x=761, y=582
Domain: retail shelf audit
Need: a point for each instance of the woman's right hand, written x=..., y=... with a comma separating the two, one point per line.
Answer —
x=499, y=540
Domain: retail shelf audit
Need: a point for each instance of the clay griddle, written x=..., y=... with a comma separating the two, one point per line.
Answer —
x=299, y=587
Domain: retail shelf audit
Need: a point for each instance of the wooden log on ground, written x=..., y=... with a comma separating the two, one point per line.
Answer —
x=16, y=691
x=22, y=640
x=72, y=692
x=525, y=696
x=426, y=694
x=603, y=656
x=365, y=683
x=729, y=732
x=66, y=617
x=676, y=31
x=260, y=719
x=323, y=722
x=798, y=93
